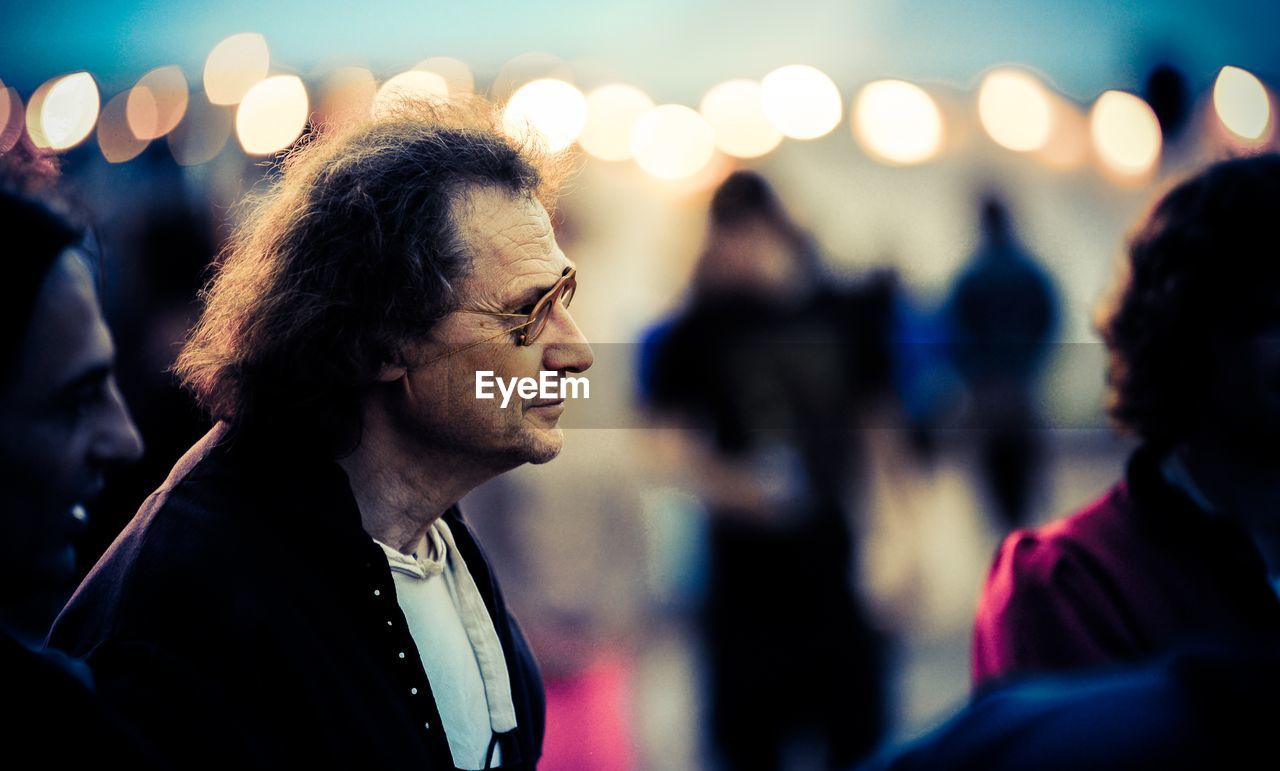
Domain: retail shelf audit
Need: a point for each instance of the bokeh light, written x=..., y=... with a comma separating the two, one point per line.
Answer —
x=612, y=112
x=457, y=75
x=801, y=101
x=10, y=117
x=897, y=122
x=234, y=66
x=6, y=107
x=672, y=142
x=203, y=132
x=62, y=111
x=1242, y=103
x=272, y=115
x=116, y=138
x=156, y=104
x=735, y=112
x=1067, y=146
x=553, y=110
x=1015, y=110
x=1125, y=133
x=345, y=94
x=408, y=86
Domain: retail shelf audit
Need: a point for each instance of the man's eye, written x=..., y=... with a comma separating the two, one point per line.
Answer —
x=88, y=395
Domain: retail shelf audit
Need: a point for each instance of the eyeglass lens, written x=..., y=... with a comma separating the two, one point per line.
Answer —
x=542, y=313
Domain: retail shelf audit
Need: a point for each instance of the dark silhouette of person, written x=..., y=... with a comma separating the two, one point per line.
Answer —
x=62, y=422
x=1002, y=312
x=1144, y=631
x=1185, y=549
x=772, y=366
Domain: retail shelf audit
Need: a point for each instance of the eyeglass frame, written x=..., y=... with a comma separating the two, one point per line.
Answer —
x=568, y=282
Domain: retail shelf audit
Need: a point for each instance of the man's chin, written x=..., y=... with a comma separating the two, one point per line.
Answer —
x=545, y=444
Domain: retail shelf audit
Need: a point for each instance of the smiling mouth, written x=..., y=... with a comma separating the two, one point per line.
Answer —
x=544, y=405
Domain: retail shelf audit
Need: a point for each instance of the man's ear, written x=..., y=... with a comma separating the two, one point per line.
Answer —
x=392, y=372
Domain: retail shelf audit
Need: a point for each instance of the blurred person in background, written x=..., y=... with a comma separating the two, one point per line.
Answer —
x=62, y=422
x=1186, y=548
x=302, y=590
x=773, y=366
x=1001, y=314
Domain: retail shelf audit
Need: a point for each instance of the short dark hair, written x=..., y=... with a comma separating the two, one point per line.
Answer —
x=1203, y=264
x=351, y=255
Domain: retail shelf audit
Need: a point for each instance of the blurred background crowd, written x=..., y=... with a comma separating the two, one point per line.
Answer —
x=931, y=196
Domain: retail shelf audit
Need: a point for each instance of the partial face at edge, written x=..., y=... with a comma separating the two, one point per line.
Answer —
x=62, y=422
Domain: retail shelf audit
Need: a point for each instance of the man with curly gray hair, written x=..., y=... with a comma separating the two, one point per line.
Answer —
x=302, y=590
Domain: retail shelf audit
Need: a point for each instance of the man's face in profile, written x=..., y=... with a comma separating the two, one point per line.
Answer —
x=516, y=262
x=63, y=421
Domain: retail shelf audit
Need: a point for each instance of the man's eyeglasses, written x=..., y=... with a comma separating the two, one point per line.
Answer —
x=536, y=320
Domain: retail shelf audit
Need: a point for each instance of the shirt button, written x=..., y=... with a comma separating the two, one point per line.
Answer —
x=377, y=592
x=413, y=691
x=401, y=654
x=388, y=623
x=427, y=726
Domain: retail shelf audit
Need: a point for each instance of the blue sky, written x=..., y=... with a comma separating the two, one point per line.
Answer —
x=674, y=49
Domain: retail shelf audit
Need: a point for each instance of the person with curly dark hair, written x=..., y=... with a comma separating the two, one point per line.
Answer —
x=1185, y=550
x=302, y=591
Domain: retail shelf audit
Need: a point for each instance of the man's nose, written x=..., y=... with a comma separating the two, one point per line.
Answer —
x=117, y=439
x=567, y=348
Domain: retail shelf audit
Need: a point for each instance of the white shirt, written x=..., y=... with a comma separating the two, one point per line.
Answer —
x=457, y=644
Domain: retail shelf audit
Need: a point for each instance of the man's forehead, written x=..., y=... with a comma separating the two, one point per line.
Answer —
x=511, y=237
x=67, y=334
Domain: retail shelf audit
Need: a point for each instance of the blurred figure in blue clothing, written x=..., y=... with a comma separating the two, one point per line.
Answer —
x=1002, y=311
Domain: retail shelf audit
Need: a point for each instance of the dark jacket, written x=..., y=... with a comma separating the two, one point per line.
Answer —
x=52, y=719
x=1206, y=708
x=244, y=618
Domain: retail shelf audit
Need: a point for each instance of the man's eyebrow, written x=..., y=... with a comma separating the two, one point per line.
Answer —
x=531, y=295
x=535, y=293
x=95, y=374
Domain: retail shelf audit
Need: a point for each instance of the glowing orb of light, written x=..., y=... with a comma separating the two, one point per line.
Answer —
x=11, y=117
x=801, y=101
x=346, y=95
x=234, y=66
x=1067, y=146
x=551, y=109
x=63, y=111
x=1126, y=133
x=735, y=112
x=156, y=104
x=897, y=122
x=1015, y=110
x=672, y=142
x=203, y=132
x=612, y=111
x=116, y=138
x=407, y=86
x=1242, y=103
x=272, y=115
x=457, y=75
